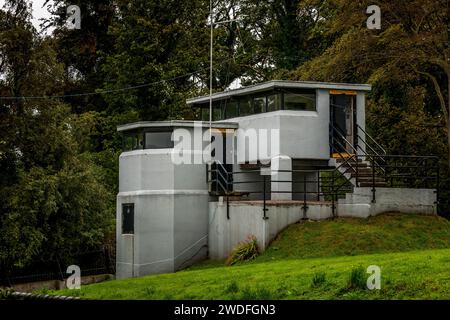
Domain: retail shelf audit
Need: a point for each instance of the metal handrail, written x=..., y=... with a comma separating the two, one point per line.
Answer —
x=371, y=138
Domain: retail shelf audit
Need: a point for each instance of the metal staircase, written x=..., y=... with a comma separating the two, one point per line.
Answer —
x=362, y=164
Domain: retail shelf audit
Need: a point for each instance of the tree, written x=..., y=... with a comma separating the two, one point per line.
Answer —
x=413, y=43
x=51, y=194
x=83, y=51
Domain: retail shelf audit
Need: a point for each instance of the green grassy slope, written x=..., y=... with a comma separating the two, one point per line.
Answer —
x=412, y=275
x=412, y=251
x=351, y=236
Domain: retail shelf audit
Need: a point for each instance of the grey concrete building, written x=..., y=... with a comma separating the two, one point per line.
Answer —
x=321, y=163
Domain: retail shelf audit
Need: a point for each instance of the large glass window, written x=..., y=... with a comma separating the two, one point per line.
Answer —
x=259, y=104
x=133, y=141
x=158, y=140
x=245, y=107
x=274, y=102
x=218, y=113
x=231, y=109
x=301, y=100
x=205, y=114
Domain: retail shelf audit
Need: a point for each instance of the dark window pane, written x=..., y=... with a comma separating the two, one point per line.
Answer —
x=158, y=140
x=128, y=218
x=231, y=109
x=133, y=141
x=205, y=114
x=274, y=102
x=218, y=113
x=128, y=142
x=259, y=104
x=300, y=101
x=245, y=107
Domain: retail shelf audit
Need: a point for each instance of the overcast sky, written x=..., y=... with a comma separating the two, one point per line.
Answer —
x=38, y=11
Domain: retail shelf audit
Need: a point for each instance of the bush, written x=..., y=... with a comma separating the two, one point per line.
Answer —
x=232, y=287
x=258, y=293
x=357, y=279
x=244, y=251
x=318, y=280
x=5, y=293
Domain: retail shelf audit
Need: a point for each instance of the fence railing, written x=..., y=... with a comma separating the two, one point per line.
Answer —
x=95, y=262
x=328, y=184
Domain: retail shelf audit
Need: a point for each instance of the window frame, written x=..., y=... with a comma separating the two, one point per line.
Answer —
x=124, y=213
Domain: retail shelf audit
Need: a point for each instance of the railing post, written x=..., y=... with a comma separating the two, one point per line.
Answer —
x=437, y=186
x=357, y=170
x=305, y=207
x=373, y=180
x=318, y=185
x=333, y=207
x=228, y=209
x=264, y=198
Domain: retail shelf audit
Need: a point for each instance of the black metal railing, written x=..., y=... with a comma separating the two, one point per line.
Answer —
x=97, y=262
x=328, y=184
x=359, y=164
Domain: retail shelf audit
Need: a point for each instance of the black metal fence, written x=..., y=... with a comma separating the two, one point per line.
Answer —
x=330, y=184
x=93, y=262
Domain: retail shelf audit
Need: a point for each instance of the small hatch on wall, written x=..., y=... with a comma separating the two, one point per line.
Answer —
x=128, y=218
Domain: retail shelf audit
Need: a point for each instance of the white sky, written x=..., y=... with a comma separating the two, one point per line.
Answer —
x=38, y=11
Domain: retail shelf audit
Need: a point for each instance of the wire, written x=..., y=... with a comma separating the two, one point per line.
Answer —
x=102, y=91
x=108, y=91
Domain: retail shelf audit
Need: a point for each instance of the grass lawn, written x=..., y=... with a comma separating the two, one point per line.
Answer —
x=412, y=251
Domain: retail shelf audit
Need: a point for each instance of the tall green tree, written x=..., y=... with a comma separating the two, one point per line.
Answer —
x=412, y=47
x=52, y=197
x=82, y=51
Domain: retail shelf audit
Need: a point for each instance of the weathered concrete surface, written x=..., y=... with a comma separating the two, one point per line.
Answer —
x=170, y=213
x=404, y=200
x=59, y=284
x=246, y=217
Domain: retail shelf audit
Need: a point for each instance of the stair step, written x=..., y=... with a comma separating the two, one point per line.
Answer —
x=353, y=165
x=367, y=177
x=360, y=170
x=369, y=184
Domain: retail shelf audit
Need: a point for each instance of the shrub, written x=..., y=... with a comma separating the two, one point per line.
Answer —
x=258, y=293
x=357, y=279
x=318, y=280
x=232, y=287
x=245, y=251
x=5, y=293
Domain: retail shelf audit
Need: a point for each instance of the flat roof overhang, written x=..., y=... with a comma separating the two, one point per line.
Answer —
x=280, y=84
x=176, y=124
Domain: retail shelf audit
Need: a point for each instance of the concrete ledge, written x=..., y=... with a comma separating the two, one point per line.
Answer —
x=245, y=218
x=59, y=284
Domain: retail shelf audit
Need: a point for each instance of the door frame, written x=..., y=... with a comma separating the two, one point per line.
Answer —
x=352, y=104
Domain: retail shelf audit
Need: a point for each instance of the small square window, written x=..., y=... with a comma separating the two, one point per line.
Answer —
x=128, y=218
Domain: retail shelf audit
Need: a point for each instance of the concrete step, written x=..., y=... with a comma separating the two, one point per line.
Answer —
x=369, y=184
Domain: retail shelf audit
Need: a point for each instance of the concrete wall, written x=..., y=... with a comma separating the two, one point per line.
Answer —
x=303, y=134
x=361, y=119
x=170, y=213
x=404, y=200
x=246, y=217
